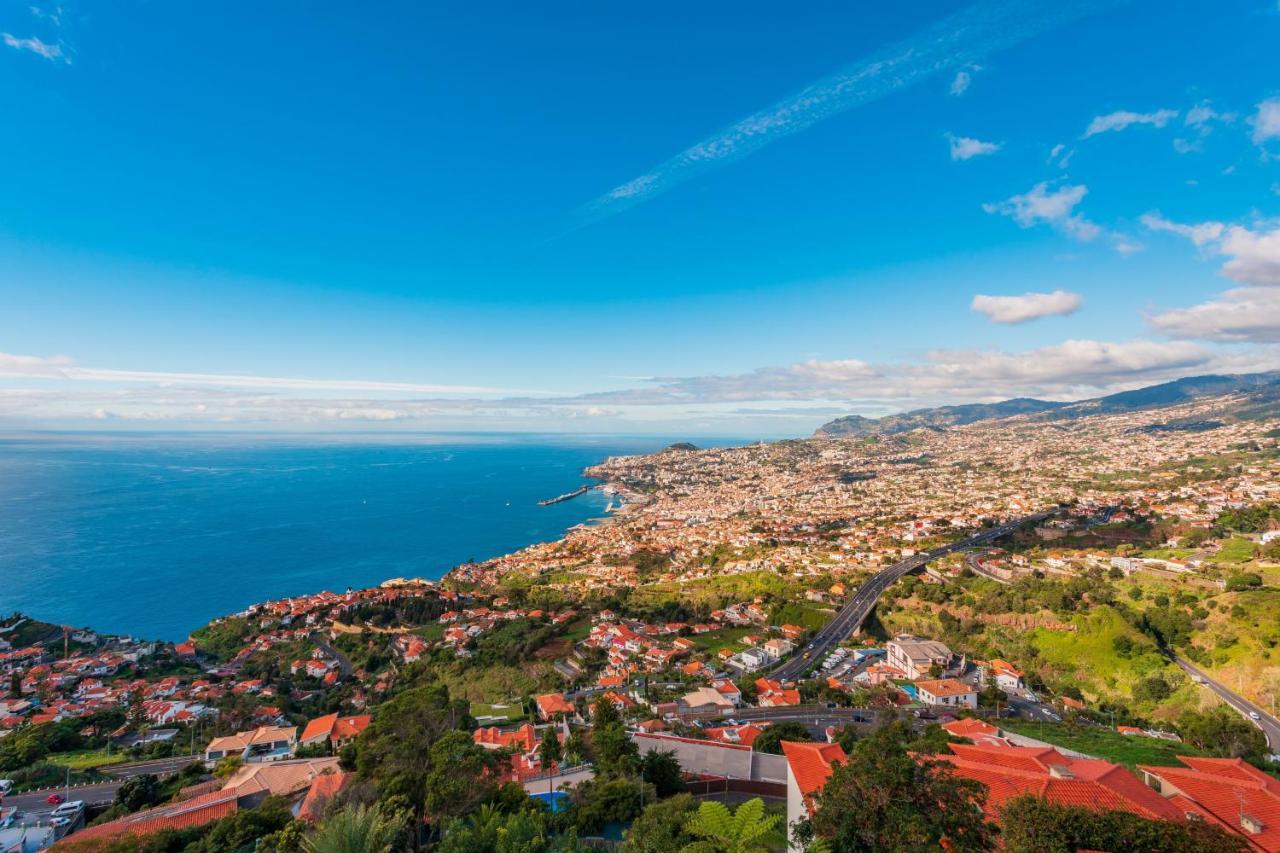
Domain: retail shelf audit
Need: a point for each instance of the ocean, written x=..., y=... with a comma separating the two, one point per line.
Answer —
x=154, y=535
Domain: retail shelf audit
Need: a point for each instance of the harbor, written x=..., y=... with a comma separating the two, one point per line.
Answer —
x=567, y=496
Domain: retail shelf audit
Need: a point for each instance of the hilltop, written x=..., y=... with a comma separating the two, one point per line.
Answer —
x=1255, y=395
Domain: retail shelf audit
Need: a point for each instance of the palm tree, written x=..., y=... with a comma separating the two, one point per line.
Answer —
x=724, y=831
x=360, y=830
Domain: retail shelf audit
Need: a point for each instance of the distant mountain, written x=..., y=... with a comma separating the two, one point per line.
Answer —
x=1262, y=390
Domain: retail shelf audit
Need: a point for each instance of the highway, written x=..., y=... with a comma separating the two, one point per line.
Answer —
x=1270, y=725
x=33, y=805
x=857, y=608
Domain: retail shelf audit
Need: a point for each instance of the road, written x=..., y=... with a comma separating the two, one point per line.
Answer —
x=1270, y=725
x=33, y=805
x=344, y=662
x=856, y=610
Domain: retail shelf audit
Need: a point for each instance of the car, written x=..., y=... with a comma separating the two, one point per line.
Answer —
x=5, y=786
x=70, y=809
x=1253, y=715
x=54, y=799
x=59, y=821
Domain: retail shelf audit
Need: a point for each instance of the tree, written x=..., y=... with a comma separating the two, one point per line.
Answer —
x=722, y=831
x=395, y=751
x=139, y=792
x=1031, y=825
x=662, y=770
x=885, y=799
x=575, y=748
x=1243, y=581
x=353, y=830
x=1222, y=732
x=604, y=800
x=549, y=751
x=227, y=766
x=770, y=740
x=462, y=777
x=661, y=827
x=491, y=831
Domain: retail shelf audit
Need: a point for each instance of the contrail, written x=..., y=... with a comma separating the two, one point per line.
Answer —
x=952, y=43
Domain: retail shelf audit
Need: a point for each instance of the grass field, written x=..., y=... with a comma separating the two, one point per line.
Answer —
x=88, y=759
x=725, y=638
x=1235, y=550
x=1129, y=750
x=509, y=713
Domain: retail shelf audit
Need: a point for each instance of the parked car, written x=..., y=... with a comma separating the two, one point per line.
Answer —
x=5, y=786
x=59, y=821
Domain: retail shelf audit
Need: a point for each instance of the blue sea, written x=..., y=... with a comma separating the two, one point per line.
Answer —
x=153, y=535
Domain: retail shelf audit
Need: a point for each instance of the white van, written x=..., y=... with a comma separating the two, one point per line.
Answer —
x=5, y=785
x=70, y=809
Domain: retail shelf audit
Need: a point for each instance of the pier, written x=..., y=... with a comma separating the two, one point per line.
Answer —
x=582, y=490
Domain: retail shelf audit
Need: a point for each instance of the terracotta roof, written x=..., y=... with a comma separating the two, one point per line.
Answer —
x=197, y=811
x=812, y=764
x=945, y=687
x=971, y=727
x=319, y=729
x=349, y=727
x=1008, y=771
x=1229, y=791
x=322, y=790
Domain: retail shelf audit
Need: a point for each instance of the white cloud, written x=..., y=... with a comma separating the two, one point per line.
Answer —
x=1243, y=314
x=1253, y=254
x=1266, y=121
x=1122, y=119
x=61, y=367
x=1028, y=306
x=953, y=43
x=51, y=52
x=1039, y=206
x=963, y=79
x=965, y=147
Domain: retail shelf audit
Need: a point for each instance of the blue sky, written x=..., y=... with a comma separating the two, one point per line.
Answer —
x=688, y=218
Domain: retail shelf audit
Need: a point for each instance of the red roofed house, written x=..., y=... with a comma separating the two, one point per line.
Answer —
x=1226, y=791
x=809, y=766
x=338, y=731
x=551, y=704
x=976, y=730
x=524, y=739
x=1009, y=771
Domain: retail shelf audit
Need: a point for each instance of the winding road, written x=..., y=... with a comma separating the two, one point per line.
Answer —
x=1269, y=724
x=858, y=608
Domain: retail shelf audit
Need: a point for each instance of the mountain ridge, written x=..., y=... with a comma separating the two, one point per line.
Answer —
x=1265, y=386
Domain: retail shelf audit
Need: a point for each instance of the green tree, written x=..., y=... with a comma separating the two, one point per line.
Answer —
x=353, y=830
x=662, y=770
x=462, y=777
x=770, y=740
x=660, y=828
x=1032, y=825
x=549, y=750
x=395, y=751
x=227, y=766
x=721, y=831
x=139, y=792
x=1222, y=732
x=885, y=799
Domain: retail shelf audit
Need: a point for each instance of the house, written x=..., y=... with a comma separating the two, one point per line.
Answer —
x=265, y=743
x=809, y=766
x=728, y=690
x=337, y=731
x=978, y=731
x=1006, y=675
x=916, y=657
x=947, y=691
x=778, y=648
x=1226, y=791
x=552, y=704
x=706, y=699
x=247, y=788
x=771, y=693
x=524, y=739
x=744, y=735
x=1010, y=771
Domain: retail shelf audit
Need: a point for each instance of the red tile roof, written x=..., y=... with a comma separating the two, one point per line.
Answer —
x=812, y=765
x=197, y=811
x=322, y=790
x=319, y=729
x=1009, y=771
x=1229, y=792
